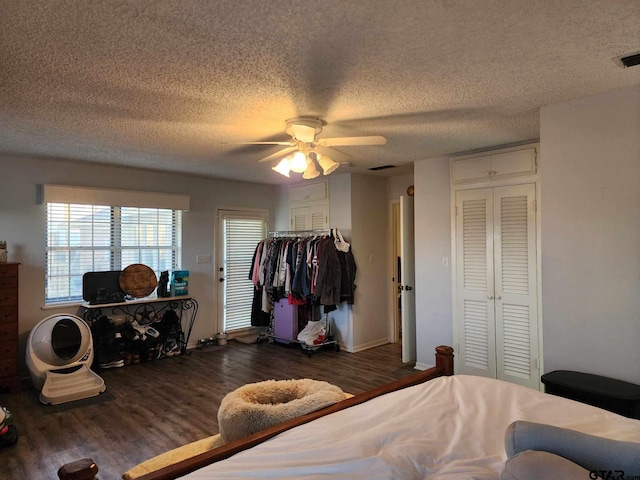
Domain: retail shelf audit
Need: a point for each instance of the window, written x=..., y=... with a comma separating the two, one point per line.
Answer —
x=93, y=238
x=241, y=232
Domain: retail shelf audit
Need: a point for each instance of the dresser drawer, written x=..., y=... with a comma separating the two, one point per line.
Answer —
x=8, y=297
x=9, y=270
x=8, y=315
x=8, y=332
x=8, y=367
x=8, y=350
x=9, y=282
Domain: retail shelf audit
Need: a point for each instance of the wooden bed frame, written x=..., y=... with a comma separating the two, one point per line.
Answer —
x=86, y=469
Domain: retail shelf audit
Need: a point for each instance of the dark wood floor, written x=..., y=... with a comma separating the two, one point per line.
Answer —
x=156, y=406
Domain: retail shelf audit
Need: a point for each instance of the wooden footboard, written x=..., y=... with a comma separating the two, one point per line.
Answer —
x=86, y=469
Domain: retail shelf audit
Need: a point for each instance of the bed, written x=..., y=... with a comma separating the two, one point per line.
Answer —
x=429, y=425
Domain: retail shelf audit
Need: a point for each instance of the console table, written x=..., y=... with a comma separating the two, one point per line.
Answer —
x=186, y=307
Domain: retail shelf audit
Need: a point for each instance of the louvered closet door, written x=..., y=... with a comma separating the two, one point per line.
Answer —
x=474, y=273
x=309, y=218
x=496, y=311
x=516, y=284
x=300, y=219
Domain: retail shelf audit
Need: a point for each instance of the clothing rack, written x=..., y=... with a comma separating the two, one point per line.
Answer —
x=285, y=268
x=299, y=233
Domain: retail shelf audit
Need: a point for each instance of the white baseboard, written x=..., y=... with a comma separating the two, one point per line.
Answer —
x=368, y=345
x=423, y=366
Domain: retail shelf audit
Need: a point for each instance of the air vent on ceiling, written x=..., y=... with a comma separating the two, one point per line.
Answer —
x=631, y=60
x=381, y=167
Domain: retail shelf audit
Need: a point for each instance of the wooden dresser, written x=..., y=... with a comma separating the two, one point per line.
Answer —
x=9, y=327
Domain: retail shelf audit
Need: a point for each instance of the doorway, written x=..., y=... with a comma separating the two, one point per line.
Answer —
x=402, y=323
x=239, y=232
x=395, y=299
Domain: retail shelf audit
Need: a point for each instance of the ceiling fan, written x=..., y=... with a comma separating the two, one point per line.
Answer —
x=303, y=151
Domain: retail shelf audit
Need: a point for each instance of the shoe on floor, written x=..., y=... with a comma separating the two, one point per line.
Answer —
x=111, y=361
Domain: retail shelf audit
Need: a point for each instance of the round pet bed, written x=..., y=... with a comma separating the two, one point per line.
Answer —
x=256, y=406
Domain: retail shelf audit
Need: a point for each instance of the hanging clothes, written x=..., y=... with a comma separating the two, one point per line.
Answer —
x=347, y=276
x=259, y=316
x=304, y=269
x=327, y=286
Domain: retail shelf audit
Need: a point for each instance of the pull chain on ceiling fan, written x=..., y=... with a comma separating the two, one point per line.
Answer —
x=304, y=152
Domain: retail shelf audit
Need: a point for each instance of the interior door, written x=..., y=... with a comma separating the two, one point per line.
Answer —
x=238, y=235
x=496, y=284
x=516, y=302
x=474, y=273
x=407, y=279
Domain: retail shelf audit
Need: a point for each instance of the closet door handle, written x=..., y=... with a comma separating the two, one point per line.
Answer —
x=490, y=297
x=221, y=280
x=408, y=288
x=498, y=297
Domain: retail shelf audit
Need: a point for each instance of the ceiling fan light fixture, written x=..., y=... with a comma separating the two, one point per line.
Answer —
x=298, y=162
x=311, y=171
x=283, y=167
x=327, y=164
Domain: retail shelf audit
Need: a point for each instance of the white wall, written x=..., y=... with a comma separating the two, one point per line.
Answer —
x=433, y=241
x=340, y=217
x=397, y=186
x=22, y=224
x=281, y=213
x=340, y=203
x=590, y=174
x=369, y=225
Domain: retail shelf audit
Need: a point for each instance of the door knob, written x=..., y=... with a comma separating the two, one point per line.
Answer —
x=408, y=288
x=221, y=280
x=498, y=297
x=490, y=297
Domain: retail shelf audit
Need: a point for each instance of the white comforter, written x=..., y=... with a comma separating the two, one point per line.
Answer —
x=448, y=428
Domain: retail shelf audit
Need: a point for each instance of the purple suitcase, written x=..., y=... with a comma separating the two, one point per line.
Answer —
x=285, y=322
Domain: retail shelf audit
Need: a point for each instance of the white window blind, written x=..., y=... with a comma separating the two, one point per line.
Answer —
x=92, y=238
x=114, y=198
x=241, y=236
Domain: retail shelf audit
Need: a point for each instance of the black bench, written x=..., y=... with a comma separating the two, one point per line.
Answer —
x=607, y=393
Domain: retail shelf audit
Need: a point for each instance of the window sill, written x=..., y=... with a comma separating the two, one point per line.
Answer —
x=57, y=306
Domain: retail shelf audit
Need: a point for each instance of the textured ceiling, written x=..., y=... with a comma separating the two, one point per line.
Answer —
x=163, y=84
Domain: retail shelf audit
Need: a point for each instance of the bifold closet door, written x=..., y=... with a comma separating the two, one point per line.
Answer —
x=497, y=319
x=476, y=343
x=515, y=294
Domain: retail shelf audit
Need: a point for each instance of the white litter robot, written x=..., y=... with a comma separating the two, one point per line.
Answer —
x=59, y=356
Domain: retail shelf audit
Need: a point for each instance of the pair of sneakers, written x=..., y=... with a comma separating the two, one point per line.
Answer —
x=171, y=347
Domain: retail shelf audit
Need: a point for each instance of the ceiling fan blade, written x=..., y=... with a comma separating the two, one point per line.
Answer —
x=336, y=155
x=352, y=141
x=289, y=144
x=278, y=154
x=304, y=133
